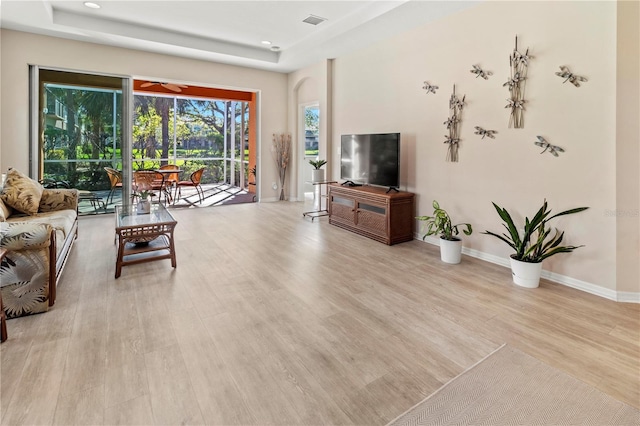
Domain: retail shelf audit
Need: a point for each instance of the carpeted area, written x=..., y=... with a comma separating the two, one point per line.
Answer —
x=509, y=387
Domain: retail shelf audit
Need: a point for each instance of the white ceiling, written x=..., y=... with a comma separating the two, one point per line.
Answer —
x=228, y=31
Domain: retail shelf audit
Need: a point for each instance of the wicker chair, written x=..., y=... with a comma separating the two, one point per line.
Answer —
x=171, y=179
x=115, y=179
x=150, y=180
x=194, y=181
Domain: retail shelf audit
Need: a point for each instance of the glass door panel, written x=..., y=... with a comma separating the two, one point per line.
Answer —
x=311, y=142
x=200, y=138
x=81, y=130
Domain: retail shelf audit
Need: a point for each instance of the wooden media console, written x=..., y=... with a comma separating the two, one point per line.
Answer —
x=372, y=212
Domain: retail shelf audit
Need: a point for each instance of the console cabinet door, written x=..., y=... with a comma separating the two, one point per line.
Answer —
x=342, y=208
x=372, y=218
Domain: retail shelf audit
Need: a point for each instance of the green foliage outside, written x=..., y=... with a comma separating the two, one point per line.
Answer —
x=80, y=138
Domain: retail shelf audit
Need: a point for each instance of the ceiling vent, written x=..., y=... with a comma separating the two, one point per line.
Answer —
x=314, y=20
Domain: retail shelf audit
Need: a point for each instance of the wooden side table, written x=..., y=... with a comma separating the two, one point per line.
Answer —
x=3, y=317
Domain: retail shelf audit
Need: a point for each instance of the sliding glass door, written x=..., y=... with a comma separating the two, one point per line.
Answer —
x=81, y=132
x=91, y=132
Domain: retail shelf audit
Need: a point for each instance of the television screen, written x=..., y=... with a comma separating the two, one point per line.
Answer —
x=372, y=159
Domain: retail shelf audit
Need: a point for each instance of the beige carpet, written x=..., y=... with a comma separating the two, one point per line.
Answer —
x=509, y=387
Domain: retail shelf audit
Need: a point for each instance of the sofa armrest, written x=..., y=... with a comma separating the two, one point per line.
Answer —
x=58, y=199
x=28, y=269
x=16, y=236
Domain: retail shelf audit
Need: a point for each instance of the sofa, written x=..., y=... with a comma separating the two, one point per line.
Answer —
x=38, y=227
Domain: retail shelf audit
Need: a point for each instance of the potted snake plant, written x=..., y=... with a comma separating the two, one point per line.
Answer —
x=440, y=224
x=533, y=244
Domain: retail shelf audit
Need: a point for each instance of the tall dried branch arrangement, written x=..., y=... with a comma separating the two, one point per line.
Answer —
x=453, y=125
x=518, y=64
x=281, y=151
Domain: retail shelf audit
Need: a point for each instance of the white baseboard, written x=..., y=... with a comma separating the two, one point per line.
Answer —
x=269, y=199
x=618, y=296
x=628, y=296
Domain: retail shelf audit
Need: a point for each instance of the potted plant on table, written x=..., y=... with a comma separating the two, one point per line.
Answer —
x=534, y=244
x=317, y=174
x=144, y=201
x=440, y=224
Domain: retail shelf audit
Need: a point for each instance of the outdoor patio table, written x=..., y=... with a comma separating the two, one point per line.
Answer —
x=166, y=173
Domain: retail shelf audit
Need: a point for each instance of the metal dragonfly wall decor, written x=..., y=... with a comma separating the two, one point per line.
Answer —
x=488, y=133
x=430, y=88
x=479, y=72
x=553, y=149
x=569, y=76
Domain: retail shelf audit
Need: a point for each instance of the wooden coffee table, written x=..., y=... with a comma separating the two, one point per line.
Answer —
x=144, y=237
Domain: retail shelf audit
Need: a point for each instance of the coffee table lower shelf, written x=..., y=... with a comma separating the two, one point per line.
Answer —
x=159, y=249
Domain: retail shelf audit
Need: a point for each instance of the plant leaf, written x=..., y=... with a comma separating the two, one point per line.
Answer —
x=501, y=238
x=570, y=211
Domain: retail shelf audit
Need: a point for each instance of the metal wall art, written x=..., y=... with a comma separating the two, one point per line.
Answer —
x=479, y=72
x=569, y=76
x=487, y=133
x=553, y=149
x=516, y=84
x=429, y=88
x=453, y=125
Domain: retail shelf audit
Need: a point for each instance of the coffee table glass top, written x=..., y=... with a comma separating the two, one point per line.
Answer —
x=126, y=215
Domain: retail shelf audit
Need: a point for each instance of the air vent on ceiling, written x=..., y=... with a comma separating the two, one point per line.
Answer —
x=314, y=20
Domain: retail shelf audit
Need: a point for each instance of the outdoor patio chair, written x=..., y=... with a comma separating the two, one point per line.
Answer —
x=171, y=179
x=151, y=181
x=194, y=181
x=115, y=178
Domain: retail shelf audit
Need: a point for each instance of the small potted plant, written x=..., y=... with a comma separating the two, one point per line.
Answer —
x=440, y=224
x=533, y=243
x=317, y=174
x=144, y=201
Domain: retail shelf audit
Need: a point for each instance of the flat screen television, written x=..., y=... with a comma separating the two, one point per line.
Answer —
x=371, y=159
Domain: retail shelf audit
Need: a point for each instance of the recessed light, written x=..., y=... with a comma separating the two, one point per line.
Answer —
x=266, y=42
x=91, y=5
x=275, y=48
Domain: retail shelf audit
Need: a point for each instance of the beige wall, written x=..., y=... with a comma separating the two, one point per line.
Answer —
x=379, y=89
x=1, y=168
x=18, y=50
x=628, y=147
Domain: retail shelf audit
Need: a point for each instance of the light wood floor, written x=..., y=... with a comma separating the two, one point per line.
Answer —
x=273, y=319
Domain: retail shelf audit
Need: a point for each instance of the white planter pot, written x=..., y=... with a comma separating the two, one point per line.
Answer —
x=450, y=251
x=143, y=207
x=317, y=175
x=526, y=274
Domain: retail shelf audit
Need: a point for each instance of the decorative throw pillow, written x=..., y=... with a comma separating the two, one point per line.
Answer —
x=5, y=211
x=21, y=192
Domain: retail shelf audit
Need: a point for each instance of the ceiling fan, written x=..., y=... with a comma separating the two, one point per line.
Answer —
x=171, y=86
